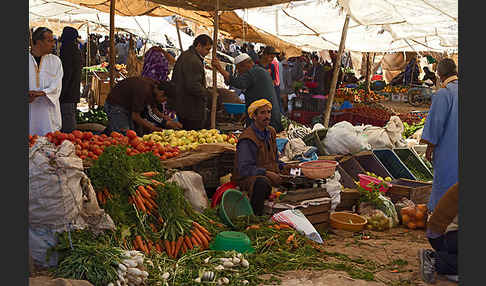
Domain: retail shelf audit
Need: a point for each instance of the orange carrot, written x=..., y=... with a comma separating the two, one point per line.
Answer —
x=100, y=197
x=284, y=226
x=195, y=242
x=178, y=246
x=290, y=238
x=172, y=247
x=139, y=241
x=195, y=232
x=188, y=242
x=130, y=200
x=140, y=204
x=150, y=174
x=158, y=248
x=201, y=228
x=156, y=183
x=152, y=226
x=152, y=192
x=150, y=245
x=167, y=247
x=184, y=247
x=135, y=244
x=161, y=220
x=154, y=204
x=143, y=191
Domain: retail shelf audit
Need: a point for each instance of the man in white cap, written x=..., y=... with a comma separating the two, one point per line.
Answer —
x=256, y=83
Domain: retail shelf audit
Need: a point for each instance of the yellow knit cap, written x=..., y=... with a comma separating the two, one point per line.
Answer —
x=257, y=104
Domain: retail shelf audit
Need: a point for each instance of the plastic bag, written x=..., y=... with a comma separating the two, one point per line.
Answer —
x=377, y=137
x=400, y=204
x=334, y=188
x=394, y=129
x=389, y=209
x=298, y=221
x=414, y=217
x=193, y=186
x=295, y=147
x=342, y=139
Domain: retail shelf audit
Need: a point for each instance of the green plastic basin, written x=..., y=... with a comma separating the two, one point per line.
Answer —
x=232, y=240
x=234, y=204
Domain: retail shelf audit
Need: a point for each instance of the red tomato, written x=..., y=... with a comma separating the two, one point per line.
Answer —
x=131, y=134
x=71, y=137
x=95, y=157
x=107, y=143
x=150, y=143
x=129, y=150
x=140, y=148
x=83, y=157
x=87, y=135
x=135, y=141
x=97, y=151
x=85, y=145
x=163, y=157
x=84, y=152
x=104, y=136
x=78, y=134
x=78, y=153
x=90, y=154
x=115, y=134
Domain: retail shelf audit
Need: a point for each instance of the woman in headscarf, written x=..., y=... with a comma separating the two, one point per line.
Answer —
x=156, y=67
x=70, y=56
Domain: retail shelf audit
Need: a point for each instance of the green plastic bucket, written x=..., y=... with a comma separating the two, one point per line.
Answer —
x=232, y=240
x=234, y=204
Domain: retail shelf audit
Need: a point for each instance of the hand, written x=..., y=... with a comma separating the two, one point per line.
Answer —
x=429, y=153
x=174, y=124
x=216, y=64
x=274, y=178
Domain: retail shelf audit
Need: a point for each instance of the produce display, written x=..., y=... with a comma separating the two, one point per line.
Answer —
x=414, y=216
x=96, y=115
x=358, y=95
x=374, y=113
x=395, y=89
x=92, y=146
x=189, y=140
x=410, y=129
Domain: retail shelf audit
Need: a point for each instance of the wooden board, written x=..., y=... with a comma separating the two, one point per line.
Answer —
x=318, y=218
x=305, y=194
x=416, y=191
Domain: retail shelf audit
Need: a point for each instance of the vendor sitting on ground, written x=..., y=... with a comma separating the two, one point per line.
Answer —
x=257, y=165
x=126, y=103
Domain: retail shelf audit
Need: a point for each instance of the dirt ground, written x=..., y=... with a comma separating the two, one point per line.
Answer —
x=394, y=251
x=403, y=107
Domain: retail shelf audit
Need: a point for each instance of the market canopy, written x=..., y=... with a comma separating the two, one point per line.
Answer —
x=375, y=25
x=88, y=9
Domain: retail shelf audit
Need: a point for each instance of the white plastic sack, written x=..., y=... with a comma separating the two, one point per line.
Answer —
x=61, y=198
x=418, y=134
x=193, y=186
x=55, y=193
x=318, y=126
x=298, y=221
x=333, y=188
x=395, y=128
x=294, y=147
x=342, y=139
x=377, y=137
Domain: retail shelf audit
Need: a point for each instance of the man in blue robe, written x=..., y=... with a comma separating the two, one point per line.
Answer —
x=441, y=132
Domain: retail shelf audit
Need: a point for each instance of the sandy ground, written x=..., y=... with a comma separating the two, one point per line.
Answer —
x=383, y=248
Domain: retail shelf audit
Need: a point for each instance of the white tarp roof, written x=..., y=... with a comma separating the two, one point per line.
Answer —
x=375, y=25
x=153, y=28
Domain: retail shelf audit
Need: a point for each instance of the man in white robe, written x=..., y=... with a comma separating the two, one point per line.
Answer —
x=45, y=82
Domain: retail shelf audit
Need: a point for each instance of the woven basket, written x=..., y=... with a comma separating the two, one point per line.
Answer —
x=340, y=220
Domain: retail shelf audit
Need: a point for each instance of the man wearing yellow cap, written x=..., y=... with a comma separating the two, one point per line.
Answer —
x=256, y=83
x=257, y=165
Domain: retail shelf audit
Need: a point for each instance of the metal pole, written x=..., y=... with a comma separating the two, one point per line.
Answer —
x=88, y=46
x=179, y=35
x=337, y=66
x=215, y=79
x=112, y=43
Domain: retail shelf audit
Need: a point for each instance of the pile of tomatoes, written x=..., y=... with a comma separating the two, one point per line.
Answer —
x=91, y=146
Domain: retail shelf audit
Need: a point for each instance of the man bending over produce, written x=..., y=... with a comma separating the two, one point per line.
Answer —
x=257, y=165
x=127, y=101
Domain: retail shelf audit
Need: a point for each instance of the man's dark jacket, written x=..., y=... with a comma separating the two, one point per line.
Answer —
x=70, y=56
x=191, y=95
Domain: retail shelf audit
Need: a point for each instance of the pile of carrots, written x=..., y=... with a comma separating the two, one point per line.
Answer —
x=198, y=236
x=103, y=196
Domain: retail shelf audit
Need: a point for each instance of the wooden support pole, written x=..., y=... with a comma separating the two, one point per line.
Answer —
x=112, y=43
x=335, y=73
x=215, y=79
x=367, y=81
x=88, y=47
x=179, y=35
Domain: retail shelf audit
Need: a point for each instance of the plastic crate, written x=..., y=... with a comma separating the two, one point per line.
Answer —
x=234, y=108
x=303, y=117
x=352, y=167
x=346, y=179
x=370, y=163
x=341, y=116
x=393, y=164
x=414, y=164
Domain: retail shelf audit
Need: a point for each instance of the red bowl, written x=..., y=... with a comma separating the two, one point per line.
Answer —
x=364, y=180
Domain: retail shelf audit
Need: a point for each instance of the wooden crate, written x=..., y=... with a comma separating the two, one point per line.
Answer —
x=100, y=85
x=316, y=214
x=349, y=198
x=416, y=191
